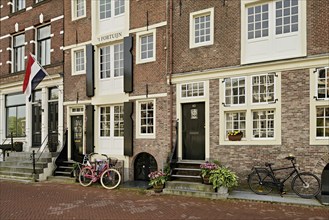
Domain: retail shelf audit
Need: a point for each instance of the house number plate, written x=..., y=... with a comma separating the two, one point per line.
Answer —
x=194, y=113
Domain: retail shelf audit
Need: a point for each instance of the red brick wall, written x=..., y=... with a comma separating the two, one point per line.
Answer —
x=50, y=10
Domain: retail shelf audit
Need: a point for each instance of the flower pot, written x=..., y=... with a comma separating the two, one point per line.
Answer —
x=205, y=180
x=235, y=137
x=158, y=188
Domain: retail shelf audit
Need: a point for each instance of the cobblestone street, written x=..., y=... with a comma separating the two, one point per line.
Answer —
x=48, y=200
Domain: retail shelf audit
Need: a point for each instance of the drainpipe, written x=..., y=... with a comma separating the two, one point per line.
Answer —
x=170, y=69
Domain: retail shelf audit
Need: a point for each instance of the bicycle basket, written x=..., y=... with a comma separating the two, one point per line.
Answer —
x=113, y=161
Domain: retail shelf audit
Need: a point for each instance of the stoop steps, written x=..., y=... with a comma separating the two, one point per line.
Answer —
x=19, y=166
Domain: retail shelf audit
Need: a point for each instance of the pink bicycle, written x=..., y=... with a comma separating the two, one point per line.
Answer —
x=109, y=177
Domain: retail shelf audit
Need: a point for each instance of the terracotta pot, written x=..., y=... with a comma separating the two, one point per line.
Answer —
x=158, y=188
x=205, y=180
x=235, y=137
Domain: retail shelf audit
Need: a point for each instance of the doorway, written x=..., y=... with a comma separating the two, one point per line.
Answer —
x=77, y=137
x=193, y=131
x=144, y=164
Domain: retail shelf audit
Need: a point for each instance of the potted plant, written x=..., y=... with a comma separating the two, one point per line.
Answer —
x=206, y=168
x=223, y=179
x=235, y=135
x=157, y=180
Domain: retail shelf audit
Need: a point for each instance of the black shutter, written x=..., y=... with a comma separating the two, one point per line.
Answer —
x=90, y=88
x=89, y=129
x=128, y=129
x=128, y=64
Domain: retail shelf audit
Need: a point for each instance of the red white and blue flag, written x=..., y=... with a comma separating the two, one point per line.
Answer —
x=33, y=76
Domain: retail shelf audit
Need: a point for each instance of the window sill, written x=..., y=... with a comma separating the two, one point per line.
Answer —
x=251, y=142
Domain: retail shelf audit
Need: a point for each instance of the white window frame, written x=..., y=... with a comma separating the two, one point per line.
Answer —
x=111, y=121
x=252, y=50
x=112, y=5
x=315, y=103
x=139, y=135
x=74, y=10
x=16, y=3
x=193, y=15
x=111, y=62
x=139, y=35
x=44, y=61
x=238, y=121
x=14, y=57
x=73, y=59
x=249, y=107
x=238, y=87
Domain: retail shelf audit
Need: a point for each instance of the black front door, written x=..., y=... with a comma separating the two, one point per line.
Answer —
x=76, y=137
x=53, y=123
x=144, y=164
x=36, y=125
x=193, y=131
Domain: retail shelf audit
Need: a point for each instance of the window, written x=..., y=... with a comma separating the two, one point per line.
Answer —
x=111, y=121
x=286, y=14
x=258, y=21
x=111, y=61
x=78, y=9
x=322, y=122
x=18, y=5
x=192, y=89
x=263, y=124
x=251, y=105
x=146, y=43
x=235, y=91
x=105, y=122
x=15, y=115
x=118, y=121
x=44, y=44
x=323, y=83
x=78, y=63
x=263, y=88
x=236, y=121
x=147, y=116
x=201, y=28
x=106, y=6
x=274, y=22
x=19, y=53
x=146, y=121
x=319, y=107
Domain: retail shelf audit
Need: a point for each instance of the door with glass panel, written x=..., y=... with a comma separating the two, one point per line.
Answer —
x=36, y=118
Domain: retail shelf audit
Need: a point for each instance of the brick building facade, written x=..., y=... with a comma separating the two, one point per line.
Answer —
x=132, y=69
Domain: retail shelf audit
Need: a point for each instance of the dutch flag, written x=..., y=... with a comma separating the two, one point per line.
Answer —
x=33, y=76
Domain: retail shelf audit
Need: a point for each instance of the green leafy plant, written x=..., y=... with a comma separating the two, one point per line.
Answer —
x=222, y=176
x=157, y=178
x=207, y=167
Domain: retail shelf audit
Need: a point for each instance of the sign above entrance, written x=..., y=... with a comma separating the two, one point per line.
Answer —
x=110, y=37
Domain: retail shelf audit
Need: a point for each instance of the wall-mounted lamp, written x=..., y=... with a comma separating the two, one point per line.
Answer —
x=39, y=104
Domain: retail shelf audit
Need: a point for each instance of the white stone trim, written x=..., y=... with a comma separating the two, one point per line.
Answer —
x=4, y=18
x=57, y=18
x=69, y=47
x=158, y=95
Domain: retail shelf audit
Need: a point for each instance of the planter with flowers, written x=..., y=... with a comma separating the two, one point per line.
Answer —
x=206, y=168
x=158, y=180
x=235, y=135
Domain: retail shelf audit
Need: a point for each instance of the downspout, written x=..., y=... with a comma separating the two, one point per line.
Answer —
x=170, y=70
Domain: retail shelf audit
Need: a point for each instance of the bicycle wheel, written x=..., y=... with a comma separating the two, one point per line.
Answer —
x=255, y=184
x=110, y=178
x=86, y=176
x=306, y=185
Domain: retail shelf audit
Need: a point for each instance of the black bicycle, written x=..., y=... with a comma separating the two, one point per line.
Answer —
x=262, y=180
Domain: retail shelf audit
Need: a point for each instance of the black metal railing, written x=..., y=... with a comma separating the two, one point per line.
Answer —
x=173, y=155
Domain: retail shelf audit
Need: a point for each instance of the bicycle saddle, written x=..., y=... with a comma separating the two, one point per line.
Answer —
x=290, y=157
x=269, y=164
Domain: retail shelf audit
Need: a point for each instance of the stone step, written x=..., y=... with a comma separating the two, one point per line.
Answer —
x=21, y=169
x=61, y=179
x=18, y=175
x=23, y=163
x=185, y=176
x=194, y=193
x=181, y=185
x=41, y=159
x=28, y=154
x=187, y=169
x=63, y=172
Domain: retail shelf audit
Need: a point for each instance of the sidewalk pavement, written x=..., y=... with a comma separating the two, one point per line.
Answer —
x=274, y=197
